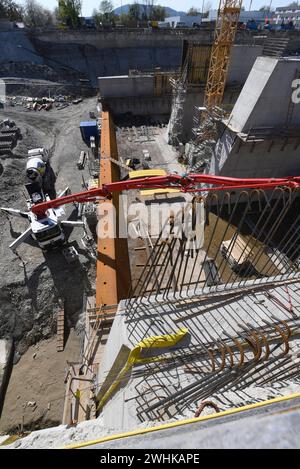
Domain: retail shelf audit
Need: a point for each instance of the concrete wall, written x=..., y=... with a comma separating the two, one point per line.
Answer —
x=117, y=89
x=242, y=59
x=110, y=61
x=243, y=160
x=266, y=97
x=123, y=39
x=114, y=53
x=126, y=86
x=150, y=38
x=155, y=106
x=265, y=106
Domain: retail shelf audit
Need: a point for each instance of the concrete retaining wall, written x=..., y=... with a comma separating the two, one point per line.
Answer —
x=110, y=61
x=243, y=161
x=149, y=38
x=123, y=39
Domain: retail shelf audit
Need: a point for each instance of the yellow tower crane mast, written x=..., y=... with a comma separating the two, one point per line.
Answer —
x=226, y=26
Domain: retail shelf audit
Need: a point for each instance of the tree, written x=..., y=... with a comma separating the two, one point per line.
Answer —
x=193, y=12
x=144, y=12
x=106, y=7
x=265, y=8
x=158, y=13
x=134, y=12
x=11, y=10
x=35, y=15
x=105, y=15
x=69, y=11
x=97, y=17
x=206, y=8
x=125, y=20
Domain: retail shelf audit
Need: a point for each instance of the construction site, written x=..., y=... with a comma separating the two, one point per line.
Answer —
x=150, y=239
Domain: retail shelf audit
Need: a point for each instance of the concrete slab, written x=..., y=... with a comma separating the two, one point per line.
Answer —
x=275, y=426
x=168, y=388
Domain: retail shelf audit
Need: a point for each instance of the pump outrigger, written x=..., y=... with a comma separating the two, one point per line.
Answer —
x=46, y=230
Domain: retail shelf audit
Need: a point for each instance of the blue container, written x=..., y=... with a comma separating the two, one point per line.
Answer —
x=89, y=129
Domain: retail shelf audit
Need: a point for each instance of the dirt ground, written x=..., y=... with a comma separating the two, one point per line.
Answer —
x=32, y=284
x=35, y=394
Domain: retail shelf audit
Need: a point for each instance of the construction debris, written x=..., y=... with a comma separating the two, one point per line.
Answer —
x=43, y=104
x=82, y=160
x=70, y=254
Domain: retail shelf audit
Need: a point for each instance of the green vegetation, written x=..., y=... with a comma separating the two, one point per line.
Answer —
x=69, y=12
x=35, y=15
x=193, y=12
x=11, y=10
x=105, y=15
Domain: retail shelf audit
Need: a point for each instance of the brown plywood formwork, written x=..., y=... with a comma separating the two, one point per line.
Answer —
x=113, y=272
x=196, y=59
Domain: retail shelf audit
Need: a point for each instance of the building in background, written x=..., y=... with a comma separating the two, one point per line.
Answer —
x=260, y=17
x=288, y=14
x=184, y=21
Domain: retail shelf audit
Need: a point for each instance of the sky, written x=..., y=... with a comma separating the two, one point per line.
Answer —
x=181, y=5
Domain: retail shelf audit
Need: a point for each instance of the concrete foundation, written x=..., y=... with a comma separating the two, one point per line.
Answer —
x=146, y=392
x=261, y=137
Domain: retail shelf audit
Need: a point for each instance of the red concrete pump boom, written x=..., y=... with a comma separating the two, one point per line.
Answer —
x=187, y=183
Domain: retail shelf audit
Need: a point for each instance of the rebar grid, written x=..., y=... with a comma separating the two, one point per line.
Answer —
x=243, y=321
x=250, y=235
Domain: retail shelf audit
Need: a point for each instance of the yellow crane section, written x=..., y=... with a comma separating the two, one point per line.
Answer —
x=226, y=26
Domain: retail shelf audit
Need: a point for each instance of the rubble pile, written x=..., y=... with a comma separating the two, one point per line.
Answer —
x=44, y=103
